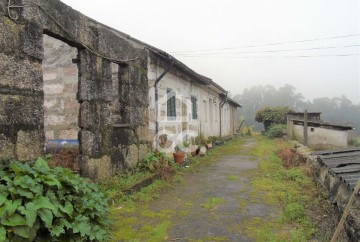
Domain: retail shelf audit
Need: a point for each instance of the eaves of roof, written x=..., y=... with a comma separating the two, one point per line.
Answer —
x=323, y=124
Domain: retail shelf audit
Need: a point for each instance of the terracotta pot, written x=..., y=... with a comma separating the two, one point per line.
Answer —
x=193, y=153
x=179, y=157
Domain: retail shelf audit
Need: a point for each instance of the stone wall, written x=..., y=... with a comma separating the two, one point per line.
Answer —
x=111, y=128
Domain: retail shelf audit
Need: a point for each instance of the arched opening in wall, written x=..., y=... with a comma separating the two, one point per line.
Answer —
x=61, y=105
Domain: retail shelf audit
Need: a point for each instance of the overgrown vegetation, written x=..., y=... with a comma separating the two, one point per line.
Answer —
x=276, y=131
x=286, y=182
x=213, y=203
x=272, y=115
x=49, y=204
x=129, y=225
x=354, y=141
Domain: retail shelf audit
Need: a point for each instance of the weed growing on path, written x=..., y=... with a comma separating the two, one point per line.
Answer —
x=213, y=203
x=232, y=178
x=287, y=185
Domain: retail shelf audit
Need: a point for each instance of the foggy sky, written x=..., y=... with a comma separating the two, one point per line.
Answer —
x=195, y=25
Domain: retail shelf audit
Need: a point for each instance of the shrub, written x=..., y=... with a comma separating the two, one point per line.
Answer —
x=247, y=131
x=290, y=158
x=272, y=115
x=158, y=162
x=276, y=131
x=49, y=204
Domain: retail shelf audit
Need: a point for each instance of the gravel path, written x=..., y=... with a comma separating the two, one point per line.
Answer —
x=215, y=204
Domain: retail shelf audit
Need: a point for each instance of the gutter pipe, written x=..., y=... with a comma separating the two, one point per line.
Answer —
x=220, y=106
x=157, y=98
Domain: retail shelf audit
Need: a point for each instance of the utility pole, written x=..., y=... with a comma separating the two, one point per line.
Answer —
x=305, y=128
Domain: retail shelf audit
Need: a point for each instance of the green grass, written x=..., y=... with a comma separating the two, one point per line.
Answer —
x=354, y=141
x=134, y=221
x=289, y=189
x=232, y=178
x=213, y=203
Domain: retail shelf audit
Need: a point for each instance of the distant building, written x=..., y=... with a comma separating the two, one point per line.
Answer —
x=318, y=132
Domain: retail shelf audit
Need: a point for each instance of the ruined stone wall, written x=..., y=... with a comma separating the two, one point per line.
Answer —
x=111, y=129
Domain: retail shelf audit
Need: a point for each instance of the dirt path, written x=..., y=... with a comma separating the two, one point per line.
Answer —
x=216, y=204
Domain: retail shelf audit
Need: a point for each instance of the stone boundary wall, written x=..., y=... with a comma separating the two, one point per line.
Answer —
x=339, y=192
x=107, y=144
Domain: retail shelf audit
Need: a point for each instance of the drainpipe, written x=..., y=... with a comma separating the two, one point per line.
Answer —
x=220, y=106
x=157, y=98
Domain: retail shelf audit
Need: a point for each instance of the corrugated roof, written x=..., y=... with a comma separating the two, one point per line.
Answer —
x=344, y=164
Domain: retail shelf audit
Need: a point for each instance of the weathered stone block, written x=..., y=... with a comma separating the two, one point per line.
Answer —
x=143, y=150
x=21, y=110
x=143, y=133
x=88, y=88
x=94, y=115
x=88, y=143
x=52, y=89
x=7, y=148
x=119, y=49
x=131, y=155
x=9, y=36
x=54, y=119
x=20, y=73
x=29, y=145
x=123, y=136
x=96, y=169
x=32, y=40
x=69, y=134
x=103, y=72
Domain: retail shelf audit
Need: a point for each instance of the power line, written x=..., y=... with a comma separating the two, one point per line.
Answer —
x=267, y=57
x=277, y=43
x=270, y=51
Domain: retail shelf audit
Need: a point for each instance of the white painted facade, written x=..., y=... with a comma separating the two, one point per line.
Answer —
x=322, y=136
x=211, y=120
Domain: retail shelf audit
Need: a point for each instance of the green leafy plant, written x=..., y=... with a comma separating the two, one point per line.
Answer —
x=276, y=131
x=272, y=115
x=158, y=162
x=211, y=139
x=49, y=204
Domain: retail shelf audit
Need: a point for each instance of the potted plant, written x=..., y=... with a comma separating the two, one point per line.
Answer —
x=194, y=149
x=179, y=155
x=209, y=142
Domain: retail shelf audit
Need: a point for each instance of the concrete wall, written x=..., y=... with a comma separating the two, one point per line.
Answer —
x=299, y=116
x=320, y=135
x=111, y=129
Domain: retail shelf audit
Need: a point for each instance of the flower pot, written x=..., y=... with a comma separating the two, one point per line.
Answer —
x=179, y=157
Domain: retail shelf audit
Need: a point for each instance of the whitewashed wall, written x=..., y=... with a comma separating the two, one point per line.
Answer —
x=319, y=135
x=208, y=102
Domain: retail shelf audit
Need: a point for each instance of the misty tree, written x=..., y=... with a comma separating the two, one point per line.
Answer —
x=338, y=109
x=271, y=115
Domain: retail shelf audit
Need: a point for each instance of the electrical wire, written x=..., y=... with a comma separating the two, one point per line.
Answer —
x=272, y=51
x=269, y=44
x=268, y=57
